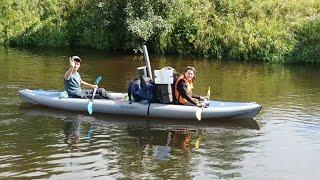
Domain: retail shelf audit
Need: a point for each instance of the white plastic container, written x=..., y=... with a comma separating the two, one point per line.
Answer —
x=163, y=76
x=163, y=80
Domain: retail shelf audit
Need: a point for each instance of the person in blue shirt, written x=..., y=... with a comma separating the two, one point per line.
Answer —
x=73, y=82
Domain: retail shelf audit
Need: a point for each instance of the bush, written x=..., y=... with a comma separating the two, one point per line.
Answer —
x=307, y=47
x=260, y=30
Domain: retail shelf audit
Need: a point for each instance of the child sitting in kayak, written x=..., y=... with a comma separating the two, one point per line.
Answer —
x=73, y=82
x=184, y=86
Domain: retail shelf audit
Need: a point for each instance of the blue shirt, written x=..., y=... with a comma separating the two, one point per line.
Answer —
x=72, y=86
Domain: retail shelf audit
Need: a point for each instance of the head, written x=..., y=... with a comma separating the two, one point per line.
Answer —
x=190, y=73
x=77, y=62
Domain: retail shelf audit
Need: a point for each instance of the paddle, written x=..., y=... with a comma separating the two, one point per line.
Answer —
x=199, y=111
x=90, y=132
x=90, y=104
x=208, y=93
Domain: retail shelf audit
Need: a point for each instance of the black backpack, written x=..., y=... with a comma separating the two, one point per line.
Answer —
x=141, y=90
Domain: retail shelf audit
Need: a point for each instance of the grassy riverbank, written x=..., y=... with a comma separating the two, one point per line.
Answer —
x=262, y=30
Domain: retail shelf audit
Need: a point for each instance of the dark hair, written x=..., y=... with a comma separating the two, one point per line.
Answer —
x=192, y=69
x=78, y=60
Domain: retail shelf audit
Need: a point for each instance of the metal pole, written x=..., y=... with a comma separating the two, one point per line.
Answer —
x=147, y=61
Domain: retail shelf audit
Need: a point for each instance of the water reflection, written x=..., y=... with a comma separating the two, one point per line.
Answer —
x=162, y=142
x=134, y=122
x=145, y=145
x=75, y=130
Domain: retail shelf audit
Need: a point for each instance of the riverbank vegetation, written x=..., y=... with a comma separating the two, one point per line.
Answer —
x=262, y=30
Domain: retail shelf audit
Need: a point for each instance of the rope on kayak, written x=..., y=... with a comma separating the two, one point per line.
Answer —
x=148, y=109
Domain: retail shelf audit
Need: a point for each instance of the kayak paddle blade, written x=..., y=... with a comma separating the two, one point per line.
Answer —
x=89, y=134
x=198, y=114
x=208, y=93
x=89, y=107
x=98, y=80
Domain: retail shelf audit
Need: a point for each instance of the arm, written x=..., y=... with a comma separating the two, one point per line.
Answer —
x=182, y=88
x=89, y=85
x=196, y=96
x=201, y=98
x=68, y=74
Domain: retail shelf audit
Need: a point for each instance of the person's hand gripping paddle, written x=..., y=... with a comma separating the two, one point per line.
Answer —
x=199, y=111
x=90, y=104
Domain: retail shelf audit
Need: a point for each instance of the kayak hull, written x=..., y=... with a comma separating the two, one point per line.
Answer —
x=119, y=105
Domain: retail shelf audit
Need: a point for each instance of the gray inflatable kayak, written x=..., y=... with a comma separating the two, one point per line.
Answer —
x=120, y=105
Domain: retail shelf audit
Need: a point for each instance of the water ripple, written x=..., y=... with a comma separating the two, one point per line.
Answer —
x=39, y=142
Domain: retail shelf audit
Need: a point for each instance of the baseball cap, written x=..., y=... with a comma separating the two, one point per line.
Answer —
x=76, y=58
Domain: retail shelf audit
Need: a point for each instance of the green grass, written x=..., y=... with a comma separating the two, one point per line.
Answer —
x=247, y=30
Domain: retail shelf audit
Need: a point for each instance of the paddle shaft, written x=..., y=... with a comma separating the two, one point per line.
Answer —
x=94, y=93
x=90, y=104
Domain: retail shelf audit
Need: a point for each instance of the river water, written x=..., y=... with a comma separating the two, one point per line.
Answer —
x=282, y=142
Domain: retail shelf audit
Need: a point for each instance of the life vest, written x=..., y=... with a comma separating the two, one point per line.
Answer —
x=177, y=94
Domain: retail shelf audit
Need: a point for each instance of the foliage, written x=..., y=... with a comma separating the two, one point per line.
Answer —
x=243, y=29
x=307, y=48
x=265, y=30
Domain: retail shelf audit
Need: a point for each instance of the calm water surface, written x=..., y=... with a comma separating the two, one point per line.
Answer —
x=282, y=142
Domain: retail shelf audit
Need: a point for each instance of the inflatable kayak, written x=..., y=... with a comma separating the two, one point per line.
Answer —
x=119, y=105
